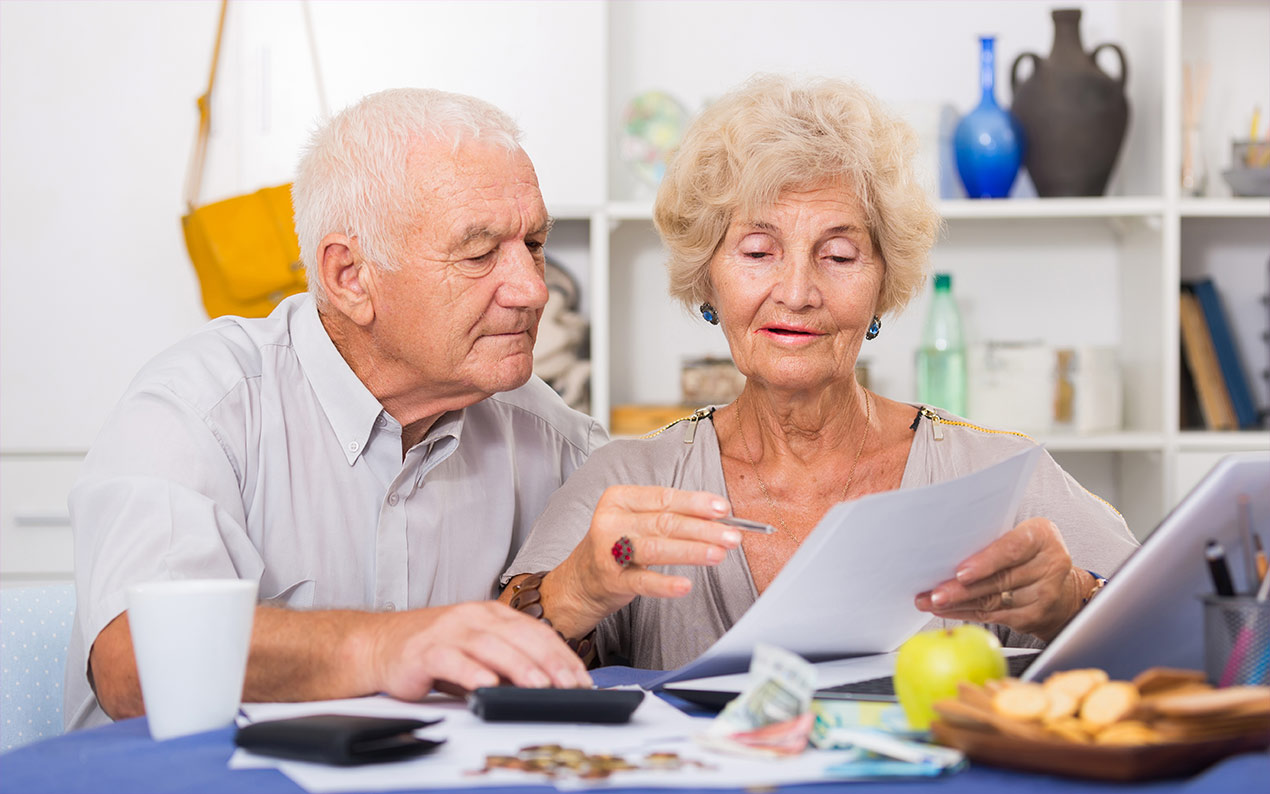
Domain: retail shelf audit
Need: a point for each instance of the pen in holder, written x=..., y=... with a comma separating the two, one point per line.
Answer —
x=1236, y=640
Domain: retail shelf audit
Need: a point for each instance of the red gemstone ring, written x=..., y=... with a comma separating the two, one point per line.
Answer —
x=622, y=551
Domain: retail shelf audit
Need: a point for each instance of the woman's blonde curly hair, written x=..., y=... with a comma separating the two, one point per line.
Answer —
x=776, y=133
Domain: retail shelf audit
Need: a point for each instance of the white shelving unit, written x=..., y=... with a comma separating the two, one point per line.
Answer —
x=1119, y=258
x=1099, y=271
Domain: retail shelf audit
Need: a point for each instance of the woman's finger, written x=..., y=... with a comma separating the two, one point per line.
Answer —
x=646, y=550
x=1010, y=607
x=656, y=499
x=670, y=525
x=953, y=593
x=643, y=582
x=1027, y=540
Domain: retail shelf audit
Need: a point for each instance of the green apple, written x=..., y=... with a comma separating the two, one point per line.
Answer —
x=930, y=664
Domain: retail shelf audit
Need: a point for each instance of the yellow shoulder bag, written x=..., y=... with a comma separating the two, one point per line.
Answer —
x=244, y=248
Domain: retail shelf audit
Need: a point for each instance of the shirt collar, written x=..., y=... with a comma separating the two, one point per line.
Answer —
x=441, y=440
x=347, y=403
x=448, y=425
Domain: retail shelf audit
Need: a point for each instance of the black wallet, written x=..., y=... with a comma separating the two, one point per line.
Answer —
x=340, y=739
x=514, y=704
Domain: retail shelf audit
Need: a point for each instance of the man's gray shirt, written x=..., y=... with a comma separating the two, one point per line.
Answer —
x=251, y=450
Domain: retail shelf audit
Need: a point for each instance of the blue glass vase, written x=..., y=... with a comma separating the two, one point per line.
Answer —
x=988, y=141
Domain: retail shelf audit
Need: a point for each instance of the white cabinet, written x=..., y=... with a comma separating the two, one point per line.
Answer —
x=35, y=527
x=96, y=279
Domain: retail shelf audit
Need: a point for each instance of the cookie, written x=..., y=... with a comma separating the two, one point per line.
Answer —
x=1162, y=679
x=1213, y=702
x=1061, y=705
x=1069, y=729
x=1107, y=703
x=1077, y=683
x=1128, y=732
x=1025, y=702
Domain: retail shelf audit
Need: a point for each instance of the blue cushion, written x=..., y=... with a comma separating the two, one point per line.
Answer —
x=35, y=628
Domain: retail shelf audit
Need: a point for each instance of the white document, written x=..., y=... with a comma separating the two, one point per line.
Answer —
x=849, y=589
x=656, y=726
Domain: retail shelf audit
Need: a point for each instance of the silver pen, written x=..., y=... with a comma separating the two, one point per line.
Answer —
x=747, y=525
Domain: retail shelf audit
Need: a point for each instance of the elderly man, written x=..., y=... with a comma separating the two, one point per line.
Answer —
x=372, y=453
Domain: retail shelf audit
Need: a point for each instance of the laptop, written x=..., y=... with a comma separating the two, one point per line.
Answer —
x=1148, y=615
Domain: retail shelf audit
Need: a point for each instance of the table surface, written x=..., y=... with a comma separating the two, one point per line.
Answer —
x=123, y=758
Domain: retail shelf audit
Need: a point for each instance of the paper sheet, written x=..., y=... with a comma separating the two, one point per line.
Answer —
x=849, y=588
x=655, y=726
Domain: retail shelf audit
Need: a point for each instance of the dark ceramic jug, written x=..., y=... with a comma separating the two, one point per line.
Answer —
x=1073, y=114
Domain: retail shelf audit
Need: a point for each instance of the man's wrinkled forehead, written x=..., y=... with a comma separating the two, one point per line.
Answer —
x=436, y=166
x=476, y=193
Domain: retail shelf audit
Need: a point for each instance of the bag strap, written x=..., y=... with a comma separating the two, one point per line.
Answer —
x=194, y=178
x=198, y=157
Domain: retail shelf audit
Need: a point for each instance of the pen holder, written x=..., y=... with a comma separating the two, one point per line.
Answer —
x=1236, y=640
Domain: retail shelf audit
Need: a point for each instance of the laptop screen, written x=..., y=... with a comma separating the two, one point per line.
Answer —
x=1150, y=613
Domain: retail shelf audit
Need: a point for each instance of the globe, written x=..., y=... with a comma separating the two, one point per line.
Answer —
x=652, y=126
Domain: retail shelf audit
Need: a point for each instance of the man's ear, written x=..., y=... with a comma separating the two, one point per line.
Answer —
x=346, y=278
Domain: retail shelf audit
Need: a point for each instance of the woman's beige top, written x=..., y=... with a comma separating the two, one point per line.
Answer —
x=657, y=633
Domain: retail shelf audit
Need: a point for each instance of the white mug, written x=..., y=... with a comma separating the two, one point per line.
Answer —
x=191, y=639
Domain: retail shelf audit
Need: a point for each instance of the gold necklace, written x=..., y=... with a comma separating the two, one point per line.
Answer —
x=762, y=486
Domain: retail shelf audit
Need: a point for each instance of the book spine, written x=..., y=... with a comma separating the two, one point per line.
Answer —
x=1228, y=360
x=1198, y=347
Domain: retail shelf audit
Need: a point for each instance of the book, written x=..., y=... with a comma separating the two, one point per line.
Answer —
x=1232, y=368
x=1197, y=345
x=1189, y=417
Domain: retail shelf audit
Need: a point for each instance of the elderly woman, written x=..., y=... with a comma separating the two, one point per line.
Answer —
x=794, y=221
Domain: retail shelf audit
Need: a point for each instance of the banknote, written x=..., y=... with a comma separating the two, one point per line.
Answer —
x=772, y=715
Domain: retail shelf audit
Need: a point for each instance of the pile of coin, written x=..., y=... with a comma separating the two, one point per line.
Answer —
x=1085, y=706
x=556, y=761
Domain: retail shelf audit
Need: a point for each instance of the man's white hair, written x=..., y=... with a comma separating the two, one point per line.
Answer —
x=353, y=180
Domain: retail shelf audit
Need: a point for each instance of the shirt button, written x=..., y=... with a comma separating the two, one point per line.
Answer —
x=390, y=607
x=380, y=421
x=353, y=446
x=393, y=499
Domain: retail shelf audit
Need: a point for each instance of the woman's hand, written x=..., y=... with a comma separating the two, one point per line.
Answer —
x=665, y=526
x=1024, y=580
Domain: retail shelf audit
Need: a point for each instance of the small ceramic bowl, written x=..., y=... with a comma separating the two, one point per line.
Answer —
x=1249, y=174
x=1248, y=181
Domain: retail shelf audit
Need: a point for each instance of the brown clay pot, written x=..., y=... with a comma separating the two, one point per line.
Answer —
x=1073, y=114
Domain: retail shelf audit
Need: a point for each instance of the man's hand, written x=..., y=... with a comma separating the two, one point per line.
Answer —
x=328, y=654
x=1024, y=580
x=470, y=645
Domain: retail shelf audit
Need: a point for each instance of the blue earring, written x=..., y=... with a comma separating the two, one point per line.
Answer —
x=709, y=314
x=875, y=328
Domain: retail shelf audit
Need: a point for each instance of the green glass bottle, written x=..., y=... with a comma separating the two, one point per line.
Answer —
x=941, y=359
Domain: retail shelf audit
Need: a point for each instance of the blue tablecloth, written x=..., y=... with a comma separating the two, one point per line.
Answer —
x=123, y=758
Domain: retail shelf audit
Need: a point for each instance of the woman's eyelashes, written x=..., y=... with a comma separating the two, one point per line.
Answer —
x=839, y=252
x=836, y=254
x=756, y=247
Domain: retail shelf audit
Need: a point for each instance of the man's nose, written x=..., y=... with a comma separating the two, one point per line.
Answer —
x=524, y=285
